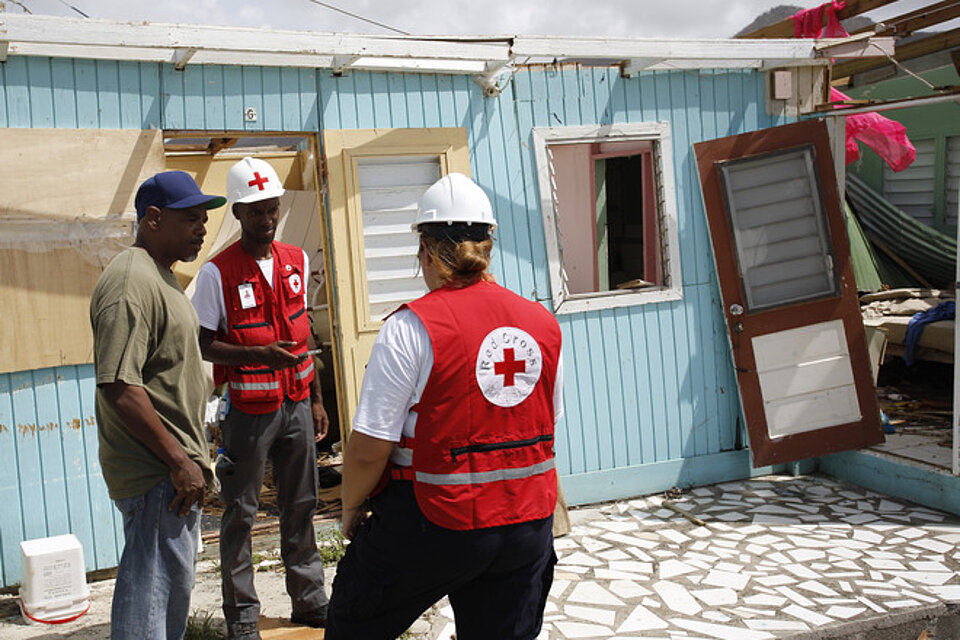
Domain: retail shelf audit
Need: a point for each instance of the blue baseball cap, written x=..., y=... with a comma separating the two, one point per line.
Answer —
x=174, y=190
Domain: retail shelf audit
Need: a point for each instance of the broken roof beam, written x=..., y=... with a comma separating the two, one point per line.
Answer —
x=864, y=45
x=636, y=65
x=785, y=28
x=182, y=56
x=341, y=64
x=921, y=47
x=915, y=20
x=219, y=144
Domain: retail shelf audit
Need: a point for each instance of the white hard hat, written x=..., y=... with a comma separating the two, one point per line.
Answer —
x=252, y=180
x=454, y=198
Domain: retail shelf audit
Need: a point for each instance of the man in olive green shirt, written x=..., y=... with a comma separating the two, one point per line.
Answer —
x=149, y=403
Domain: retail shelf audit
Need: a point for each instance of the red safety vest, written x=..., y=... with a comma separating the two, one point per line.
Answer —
x=258, y=314
x=483, y=452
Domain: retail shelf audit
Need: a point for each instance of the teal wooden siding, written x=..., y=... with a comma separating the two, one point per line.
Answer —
x=651, y=396
x=50, y=480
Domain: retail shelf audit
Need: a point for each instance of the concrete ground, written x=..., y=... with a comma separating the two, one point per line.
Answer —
x=779, y=557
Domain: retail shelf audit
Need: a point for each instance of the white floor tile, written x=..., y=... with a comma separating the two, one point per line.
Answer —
x=583, y=630
x=807, y=615
x=591, y=614
x=759, y=624
x=677, y=597
x=765, y=600
x=718, y=578
x=628, y=589
x=721, y=631
x=593, y=593
x=715, y=597
x=642, y=619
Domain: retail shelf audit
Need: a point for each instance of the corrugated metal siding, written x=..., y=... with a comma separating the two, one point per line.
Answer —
x=913, y=190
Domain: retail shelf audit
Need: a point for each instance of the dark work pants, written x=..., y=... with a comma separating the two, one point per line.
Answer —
x=287, y=437
x=399, y=564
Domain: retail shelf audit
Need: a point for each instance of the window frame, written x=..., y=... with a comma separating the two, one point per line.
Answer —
x=657, y=132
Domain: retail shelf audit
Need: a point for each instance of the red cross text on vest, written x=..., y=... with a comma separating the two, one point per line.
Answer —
x=509, y=367
x=258, y=180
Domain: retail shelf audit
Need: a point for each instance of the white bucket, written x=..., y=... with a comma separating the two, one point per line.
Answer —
x=53, y=586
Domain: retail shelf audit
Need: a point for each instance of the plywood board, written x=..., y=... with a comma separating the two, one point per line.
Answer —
x=56, y=174
x=59, y=185
x=47, y=297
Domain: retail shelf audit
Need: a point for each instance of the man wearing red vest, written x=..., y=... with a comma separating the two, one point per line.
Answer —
x=455, y=423
x=252, y=304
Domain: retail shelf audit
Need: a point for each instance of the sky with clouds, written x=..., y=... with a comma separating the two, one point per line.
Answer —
x=595, y=18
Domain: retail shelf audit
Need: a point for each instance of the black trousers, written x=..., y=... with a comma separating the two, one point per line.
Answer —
x=286, y=437
x=399, y=564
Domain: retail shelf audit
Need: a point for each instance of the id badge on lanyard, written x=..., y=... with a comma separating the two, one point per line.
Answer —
x=248, y=299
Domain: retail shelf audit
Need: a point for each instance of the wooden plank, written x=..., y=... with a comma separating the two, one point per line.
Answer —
x=272, y=114
x=923, y=17
x=11, y=521
x=941, y=41
x=131, y=96
x=612, y=363
x=233, y=103
x=632, y=388
x=27, y=463
x=3, y=95
x=528, y=196
x=107, y=533
x=18, y=93
x=76, y=465
x=150, y=96
x=785, y=28
x=41, y=95
x=55, y=505
x=108, y=93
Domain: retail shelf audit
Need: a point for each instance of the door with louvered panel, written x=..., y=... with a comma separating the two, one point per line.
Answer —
x=788, y=293
x=374, y=179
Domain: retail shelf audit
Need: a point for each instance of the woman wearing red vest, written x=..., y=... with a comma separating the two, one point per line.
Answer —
x=453, y=436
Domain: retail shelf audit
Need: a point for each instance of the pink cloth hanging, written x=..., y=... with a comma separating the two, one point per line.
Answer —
x=885, y=136
x=808, y=23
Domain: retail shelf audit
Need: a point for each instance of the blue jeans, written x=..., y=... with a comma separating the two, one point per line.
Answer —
x=151, y=599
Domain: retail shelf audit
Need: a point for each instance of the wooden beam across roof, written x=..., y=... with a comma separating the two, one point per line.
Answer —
x=785, y=28
x=915, y=20
x=920, y=47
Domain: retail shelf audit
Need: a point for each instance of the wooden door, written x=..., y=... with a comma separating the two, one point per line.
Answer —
x=374, y=179
x=789, y=294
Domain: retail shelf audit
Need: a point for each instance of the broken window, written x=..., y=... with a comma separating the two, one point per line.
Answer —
x=607, y=201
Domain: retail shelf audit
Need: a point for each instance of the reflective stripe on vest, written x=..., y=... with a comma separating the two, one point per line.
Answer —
x=484, y=477
x=306, y=372
x=254, y=386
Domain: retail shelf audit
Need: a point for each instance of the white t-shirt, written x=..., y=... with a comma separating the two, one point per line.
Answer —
x=396, y=375
x=208, y=292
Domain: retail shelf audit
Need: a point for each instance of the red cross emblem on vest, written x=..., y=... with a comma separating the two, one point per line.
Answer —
x=509, y=367
x=258, y=180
